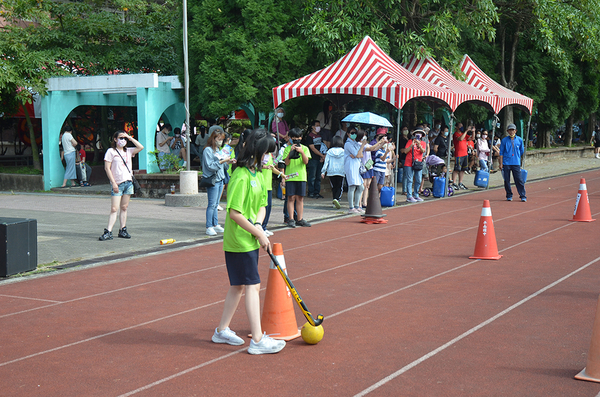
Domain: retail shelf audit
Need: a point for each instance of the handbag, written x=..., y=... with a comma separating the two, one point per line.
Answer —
x=362, y=169
x=136, y=184
x=369, y=164
x=208, y=181
x=416, y=165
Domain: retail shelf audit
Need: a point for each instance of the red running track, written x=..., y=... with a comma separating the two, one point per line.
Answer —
x=406, y=312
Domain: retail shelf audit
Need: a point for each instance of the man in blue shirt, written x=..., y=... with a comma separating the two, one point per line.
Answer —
x=511, y=151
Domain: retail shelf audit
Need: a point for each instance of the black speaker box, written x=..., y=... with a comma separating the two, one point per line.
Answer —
x=18, y=246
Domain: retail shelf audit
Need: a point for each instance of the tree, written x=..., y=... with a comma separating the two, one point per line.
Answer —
x=82, y=38
x=239, y=50
x=400, y=27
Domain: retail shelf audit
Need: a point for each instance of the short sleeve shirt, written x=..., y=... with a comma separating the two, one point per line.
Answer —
x=267, y=172
x=409, y=156
x=117, y=166
x=460, y=147
x=246, y=193
x=296, y=165
x=66, y=143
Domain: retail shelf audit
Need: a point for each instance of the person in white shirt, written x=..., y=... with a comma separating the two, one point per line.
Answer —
x=69, y=144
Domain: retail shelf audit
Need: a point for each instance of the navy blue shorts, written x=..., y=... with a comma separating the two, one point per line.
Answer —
x=295, y=188
x=380, y=176
x=461, y=163
x=242, y=267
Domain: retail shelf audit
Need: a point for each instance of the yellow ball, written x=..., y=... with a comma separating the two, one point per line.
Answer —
x=311, y=334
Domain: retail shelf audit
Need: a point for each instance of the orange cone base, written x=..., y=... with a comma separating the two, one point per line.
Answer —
x=582, y=220
x=285, y=338
x=486, y=257
x=584, y=376
x=373, y=221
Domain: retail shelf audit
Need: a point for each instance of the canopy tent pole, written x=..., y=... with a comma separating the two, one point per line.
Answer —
x=491, y=158
x=449, y=145
x=397, y=149
x=526, y=139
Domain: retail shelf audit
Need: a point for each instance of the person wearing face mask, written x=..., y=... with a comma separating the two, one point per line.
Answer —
x=279, y=126
x=414, y=150
x=511, y=151
x=296, y=157
x=404, y=137
x=118, y=167
x=163, y=144
x=440, y=144
x=178, y=145
x=483, y=150
x=354, y=145
x=213, y=162
x=315, y=144
x=325, y=119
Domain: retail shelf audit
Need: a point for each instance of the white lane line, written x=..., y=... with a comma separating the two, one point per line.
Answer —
x=204, y=364
x=396, y=291
x=29, y=298
x=16, y=360
x=471, y=331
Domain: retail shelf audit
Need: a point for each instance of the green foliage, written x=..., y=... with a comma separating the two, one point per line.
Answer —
x=169, y=163
x=88, y=37
x=239, y=50
x=400, y=27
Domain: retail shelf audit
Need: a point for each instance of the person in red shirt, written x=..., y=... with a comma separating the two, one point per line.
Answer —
x=414, y=148
x=461, y=158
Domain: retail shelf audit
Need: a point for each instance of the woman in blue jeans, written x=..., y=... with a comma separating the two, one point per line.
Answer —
x=214, y=163
x=414, y=148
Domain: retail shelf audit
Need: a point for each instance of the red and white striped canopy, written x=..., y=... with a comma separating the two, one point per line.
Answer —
x=481, y=81
x=365, y=70
x=429, y=70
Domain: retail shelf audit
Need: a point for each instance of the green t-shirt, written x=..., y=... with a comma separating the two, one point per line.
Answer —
x=267, y=172
x=246, y=193
x=296, y=165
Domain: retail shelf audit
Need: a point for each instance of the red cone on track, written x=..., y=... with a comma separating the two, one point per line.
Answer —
x=278, y=318
x=582, y=211
x=485, y=245
x=592, y=371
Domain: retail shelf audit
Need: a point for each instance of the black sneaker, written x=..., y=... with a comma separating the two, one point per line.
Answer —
x=318, y=196
x=291, y=223
x=463, y=187
x=106, y=235
x=123, y=233
x=302, y=222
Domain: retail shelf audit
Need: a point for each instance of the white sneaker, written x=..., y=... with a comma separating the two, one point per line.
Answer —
x=219, y=208
x=268, y=233
x=219, y=229
x=266, y=345
x=211, y=231
x=227, y=336
x=184, y=164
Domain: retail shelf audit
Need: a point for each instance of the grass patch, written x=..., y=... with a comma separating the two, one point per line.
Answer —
x=43, y=268
x=29, y=170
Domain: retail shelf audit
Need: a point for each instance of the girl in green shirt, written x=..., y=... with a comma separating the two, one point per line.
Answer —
x=242, y=238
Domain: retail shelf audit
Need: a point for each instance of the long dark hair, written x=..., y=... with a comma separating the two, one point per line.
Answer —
x=350, y=128
x=258, y=143
x=243, y=136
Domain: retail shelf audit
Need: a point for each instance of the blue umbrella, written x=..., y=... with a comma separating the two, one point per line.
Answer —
x=367, y=118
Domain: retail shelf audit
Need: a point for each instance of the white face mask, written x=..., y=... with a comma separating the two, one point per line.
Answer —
x=121, y=142
x=280, y=115
x=219, y=143
x=478, y=136
x=317, y=129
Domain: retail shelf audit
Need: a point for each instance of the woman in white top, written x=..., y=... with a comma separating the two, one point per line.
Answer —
x=117, y=164
x=68, y=144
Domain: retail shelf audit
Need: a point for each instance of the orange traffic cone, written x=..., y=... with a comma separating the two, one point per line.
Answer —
x=278, y=318
x=485, y=245
x=373, y=213
x=592, y=371
x=582, y=205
